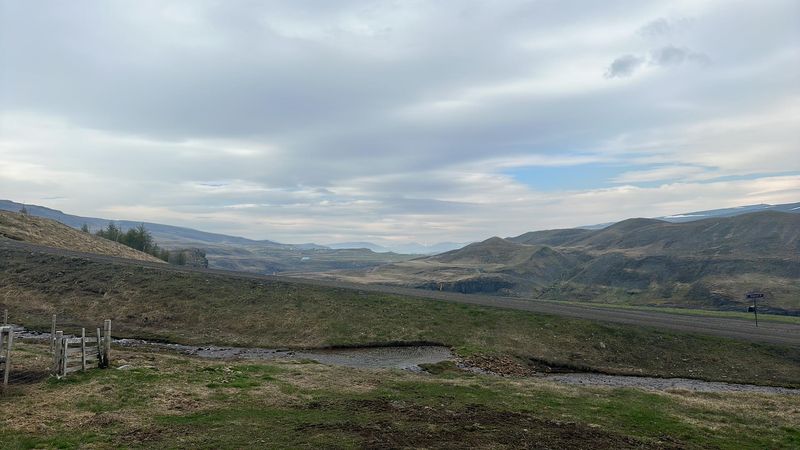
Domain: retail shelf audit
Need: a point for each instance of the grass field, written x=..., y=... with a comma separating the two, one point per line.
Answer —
x=171, y=401
x=700, y=312
x=205, y=309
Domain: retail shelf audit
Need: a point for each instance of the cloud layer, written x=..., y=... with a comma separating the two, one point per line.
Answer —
x=397, y=121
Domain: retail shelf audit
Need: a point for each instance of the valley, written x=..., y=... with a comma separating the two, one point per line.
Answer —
x=707, y=264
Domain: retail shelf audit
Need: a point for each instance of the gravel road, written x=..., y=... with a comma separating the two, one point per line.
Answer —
x=768, y=332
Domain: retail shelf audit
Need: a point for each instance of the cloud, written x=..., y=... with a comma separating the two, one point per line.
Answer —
x=657, y=27
x=672, y=56
x=664, y=27
x=298, y=121
x=624, y=66
x=627, y=65
x=662, y=173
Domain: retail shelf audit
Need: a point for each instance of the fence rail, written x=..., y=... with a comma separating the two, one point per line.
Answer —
x=62, y=354
x=72, y=354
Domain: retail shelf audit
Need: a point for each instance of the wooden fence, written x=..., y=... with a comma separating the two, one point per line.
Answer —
x=72, y=354
x=6, y=343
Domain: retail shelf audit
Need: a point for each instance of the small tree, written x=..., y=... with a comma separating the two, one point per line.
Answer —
x=112, y=232
x=23, y=210
x=85, y=228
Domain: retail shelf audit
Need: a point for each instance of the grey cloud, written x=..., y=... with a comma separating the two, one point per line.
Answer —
x=663, y=27
x=672, y=56
x=624, y=66
x=669, y=55
x=658, y=27
x=322, y=83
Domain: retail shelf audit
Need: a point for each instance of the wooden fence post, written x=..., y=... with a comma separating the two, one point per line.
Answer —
x=8, y=357
x=99, y=350
x=64, y=346
x=57, y=351
x=107, y=344
x=83, y=349
x=53, y=334
x=5, y=316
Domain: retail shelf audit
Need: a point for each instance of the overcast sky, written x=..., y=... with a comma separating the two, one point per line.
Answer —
x=399, y=121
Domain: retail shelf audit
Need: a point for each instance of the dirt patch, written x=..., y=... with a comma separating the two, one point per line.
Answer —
x=502, y=365
x=404, y=425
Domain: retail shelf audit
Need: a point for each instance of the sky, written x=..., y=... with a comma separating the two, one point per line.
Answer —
x=398, y=121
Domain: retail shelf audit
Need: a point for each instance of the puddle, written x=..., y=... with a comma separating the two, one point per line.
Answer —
x=664, y=384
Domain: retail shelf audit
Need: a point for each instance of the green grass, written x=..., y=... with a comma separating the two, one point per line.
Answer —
x=173, y=401
x=695, y=312
x=205, y=309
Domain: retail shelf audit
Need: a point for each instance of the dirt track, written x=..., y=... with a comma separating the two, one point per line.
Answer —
x=770, y=332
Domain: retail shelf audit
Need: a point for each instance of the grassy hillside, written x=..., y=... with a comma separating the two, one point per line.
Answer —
x=202, y=308
x=169, y=401
x=708, y=263
x=766, y=234
x=37, y=230
x=229, y=252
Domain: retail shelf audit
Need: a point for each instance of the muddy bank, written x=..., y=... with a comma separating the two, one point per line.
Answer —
x=390, y=357
x=664, y=384
x=411, y=357
x=399, y=356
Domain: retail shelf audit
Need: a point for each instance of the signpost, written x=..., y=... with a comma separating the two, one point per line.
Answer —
x=755, y=296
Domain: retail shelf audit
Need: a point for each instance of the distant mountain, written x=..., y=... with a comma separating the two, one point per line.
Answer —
x=703, y=263
x=232, y=252
x=311, y=246
x=792, y=208
x=368, y=245
x=766, y=233
x=415, y=248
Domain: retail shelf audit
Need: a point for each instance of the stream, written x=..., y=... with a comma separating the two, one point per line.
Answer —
x=411, y=357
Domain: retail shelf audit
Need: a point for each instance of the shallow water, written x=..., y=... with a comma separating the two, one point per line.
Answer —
x=395, y=357
x=410, y=358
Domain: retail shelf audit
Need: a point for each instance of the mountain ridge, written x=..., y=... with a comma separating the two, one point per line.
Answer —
x=704, y=263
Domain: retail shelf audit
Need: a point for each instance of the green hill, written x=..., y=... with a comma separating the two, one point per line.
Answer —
x=707, y=263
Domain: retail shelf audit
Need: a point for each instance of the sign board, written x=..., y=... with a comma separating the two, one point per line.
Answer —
x=755, y=295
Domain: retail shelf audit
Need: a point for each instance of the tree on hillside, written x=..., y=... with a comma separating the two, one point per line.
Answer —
x=163, y=254
x=112, y=232
x=23, y=210
x=138, y=238
x=85, y=228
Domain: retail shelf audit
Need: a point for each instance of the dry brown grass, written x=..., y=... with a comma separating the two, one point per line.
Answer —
x=41, y=231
